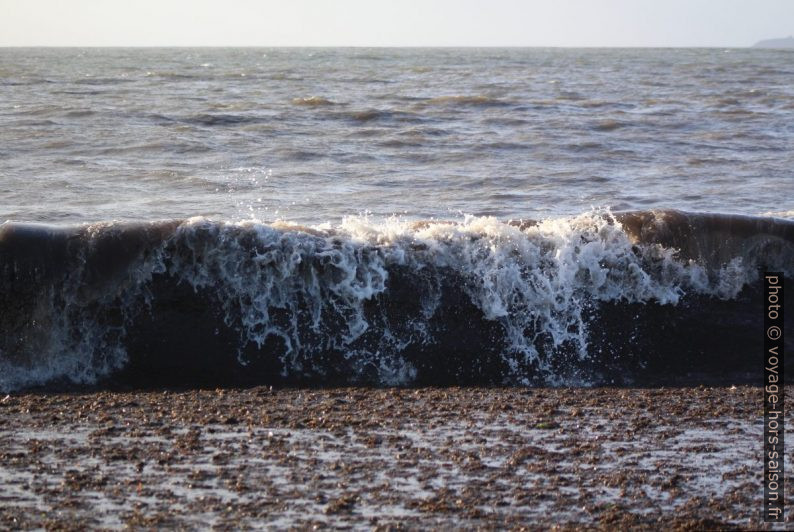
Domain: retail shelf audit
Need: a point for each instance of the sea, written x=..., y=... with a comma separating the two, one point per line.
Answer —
x=522, y=216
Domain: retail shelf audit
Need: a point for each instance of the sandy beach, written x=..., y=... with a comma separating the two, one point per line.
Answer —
x=686, y=458
x=379, y=266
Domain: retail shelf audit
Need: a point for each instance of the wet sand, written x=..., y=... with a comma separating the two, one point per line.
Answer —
x=687, y=458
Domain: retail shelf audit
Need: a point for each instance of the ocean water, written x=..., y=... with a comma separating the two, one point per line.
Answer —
x=390, y=216
x=313, y=135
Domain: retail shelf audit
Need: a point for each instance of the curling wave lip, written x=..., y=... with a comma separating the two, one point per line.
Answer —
x=638, y=297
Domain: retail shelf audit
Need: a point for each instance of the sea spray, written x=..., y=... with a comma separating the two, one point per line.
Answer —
x=388, y=302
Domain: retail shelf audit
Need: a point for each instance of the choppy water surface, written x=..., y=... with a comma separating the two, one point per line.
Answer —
x=202, y=215
x=312, y=135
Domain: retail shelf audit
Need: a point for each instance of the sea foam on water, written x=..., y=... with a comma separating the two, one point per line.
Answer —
x=375, y=292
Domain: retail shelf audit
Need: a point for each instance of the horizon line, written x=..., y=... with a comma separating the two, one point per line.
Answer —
x=359, y=46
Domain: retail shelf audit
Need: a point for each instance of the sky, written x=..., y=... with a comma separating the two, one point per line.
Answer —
x=718, y=23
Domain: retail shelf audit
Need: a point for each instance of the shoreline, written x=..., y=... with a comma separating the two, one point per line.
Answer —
x=381, y=458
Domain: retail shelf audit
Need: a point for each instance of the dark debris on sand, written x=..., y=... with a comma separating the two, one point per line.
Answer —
x=686, y=458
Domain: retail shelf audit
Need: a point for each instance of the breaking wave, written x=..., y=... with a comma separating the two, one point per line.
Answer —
x=642, y=297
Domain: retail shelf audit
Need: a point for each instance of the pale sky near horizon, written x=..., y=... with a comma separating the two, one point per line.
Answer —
x=723, y=23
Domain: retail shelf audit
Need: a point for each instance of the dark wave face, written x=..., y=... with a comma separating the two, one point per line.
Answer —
x=640, y=297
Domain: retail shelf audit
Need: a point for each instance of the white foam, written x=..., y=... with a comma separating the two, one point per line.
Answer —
x=789, y=215
x=308, y=287
x=535, y=282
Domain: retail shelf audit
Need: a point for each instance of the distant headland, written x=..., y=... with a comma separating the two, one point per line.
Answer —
x=787, y=42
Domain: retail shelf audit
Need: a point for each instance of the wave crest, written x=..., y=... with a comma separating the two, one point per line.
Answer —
x=385, y=302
